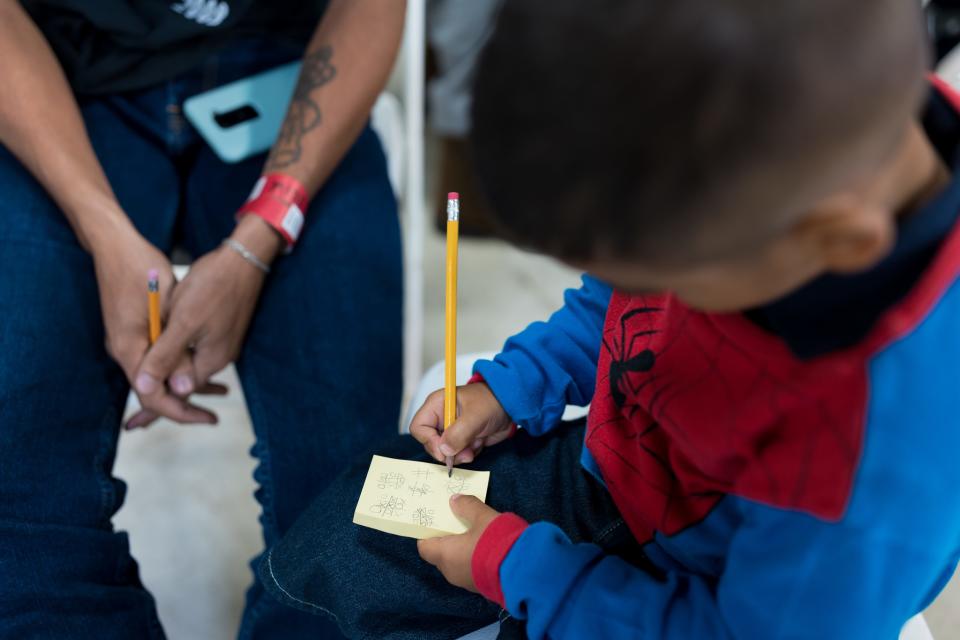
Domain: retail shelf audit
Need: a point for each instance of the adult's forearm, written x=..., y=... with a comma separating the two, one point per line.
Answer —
x=344, y=69
x=40, y=124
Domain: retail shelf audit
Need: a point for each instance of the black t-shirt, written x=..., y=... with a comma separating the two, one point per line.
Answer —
x=108, y=46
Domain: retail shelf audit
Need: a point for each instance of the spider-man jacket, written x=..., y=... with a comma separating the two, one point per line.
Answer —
x=793, y=470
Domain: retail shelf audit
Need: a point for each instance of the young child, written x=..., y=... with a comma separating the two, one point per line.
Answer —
x=769, y=341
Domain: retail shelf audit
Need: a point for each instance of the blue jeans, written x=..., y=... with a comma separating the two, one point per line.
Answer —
x=326, y=331
x=376, y=586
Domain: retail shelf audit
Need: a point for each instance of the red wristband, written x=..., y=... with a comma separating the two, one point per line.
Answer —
x=280, y=201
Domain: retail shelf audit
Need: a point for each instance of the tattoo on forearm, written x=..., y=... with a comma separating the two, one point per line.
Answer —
x=304, y=112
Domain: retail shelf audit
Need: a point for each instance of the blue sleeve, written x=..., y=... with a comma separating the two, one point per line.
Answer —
x=787, y=576
x=551, y=364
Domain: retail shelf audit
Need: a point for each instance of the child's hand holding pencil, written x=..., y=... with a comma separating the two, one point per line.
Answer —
x=481, y=422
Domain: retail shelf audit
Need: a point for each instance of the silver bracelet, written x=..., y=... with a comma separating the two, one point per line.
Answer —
x=247, y=255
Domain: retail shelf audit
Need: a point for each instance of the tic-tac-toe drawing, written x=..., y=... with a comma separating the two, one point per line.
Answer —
x=411, y=499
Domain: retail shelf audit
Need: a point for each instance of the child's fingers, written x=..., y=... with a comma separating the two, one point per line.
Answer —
x=427, y=422
x=499, y=436
x=431, y=550
x=470, y=453
x=431, y=444
x=467, y=507
x=464, y=457
x=424, y=433
x=429, y=417
x=460, y=435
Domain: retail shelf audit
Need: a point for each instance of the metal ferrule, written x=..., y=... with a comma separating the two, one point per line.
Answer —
x=153, y=286
x=453, y=210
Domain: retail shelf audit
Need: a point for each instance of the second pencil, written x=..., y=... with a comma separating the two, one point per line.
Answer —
x=450, y=345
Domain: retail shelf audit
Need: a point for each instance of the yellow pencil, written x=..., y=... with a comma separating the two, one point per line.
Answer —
x=153, y=303
x=450, y=350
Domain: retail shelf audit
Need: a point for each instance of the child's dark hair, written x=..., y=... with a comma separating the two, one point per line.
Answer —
x=615, y=127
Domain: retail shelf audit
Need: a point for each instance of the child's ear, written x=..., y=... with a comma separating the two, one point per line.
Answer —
x=849, y=235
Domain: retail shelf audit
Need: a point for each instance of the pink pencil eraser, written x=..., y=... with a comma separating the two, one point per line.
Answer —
x=453, y=195
x=153, y=274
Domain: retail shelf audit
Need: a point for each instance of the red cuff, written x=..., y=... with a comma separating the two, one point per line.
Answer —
x=479, y=378
x=491, y=549
x=281, y=201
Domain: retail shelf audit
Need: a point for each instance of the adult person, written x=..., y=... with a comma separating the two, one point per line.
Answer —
x=100, y=177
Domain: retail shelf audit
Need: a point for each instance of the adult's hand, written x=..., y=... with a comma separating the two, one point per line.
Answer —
x=208, y=317
x=121, y=270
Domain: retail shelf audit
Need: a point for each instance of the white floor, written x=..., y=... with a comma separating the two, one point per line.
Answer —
x=192, y=517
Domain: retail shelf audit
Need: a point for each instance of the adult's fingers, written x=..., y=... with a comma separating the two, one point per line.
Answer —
x=144, y=418
x=178, y=409
x=157, y=365
x=195, y=415
x=127, y=351
x=210, y=358
x=182, y=380
x=161, y=359
x=213, y=389
x=141, y=420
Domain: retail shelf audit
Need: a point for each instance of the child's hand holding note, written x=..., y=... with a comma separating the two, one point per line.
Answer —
x=411, y=499
x=453, y=555
x=481, y=422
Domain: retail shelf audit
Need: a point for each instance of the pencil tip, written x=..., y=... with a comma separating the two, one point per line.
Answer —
x=450, y=473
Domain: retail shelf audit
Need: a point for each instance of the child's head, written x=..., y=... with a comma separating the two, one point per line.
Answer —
x=726, y=150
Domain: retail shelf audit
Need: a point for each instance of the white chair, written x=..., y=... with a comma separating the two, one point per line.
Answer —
x=915, y=629
x=414, y=213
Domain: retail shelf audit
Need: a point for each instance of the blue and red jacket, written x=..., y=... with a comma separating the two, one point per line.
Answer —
x=792, y=470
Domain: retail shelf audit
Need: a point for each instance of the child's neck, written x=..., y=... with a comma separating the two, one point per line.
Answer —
x=921, y=174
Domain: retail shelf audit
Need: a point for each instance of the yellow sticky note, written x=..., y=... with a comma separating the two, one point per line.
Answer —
x=412, y=499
